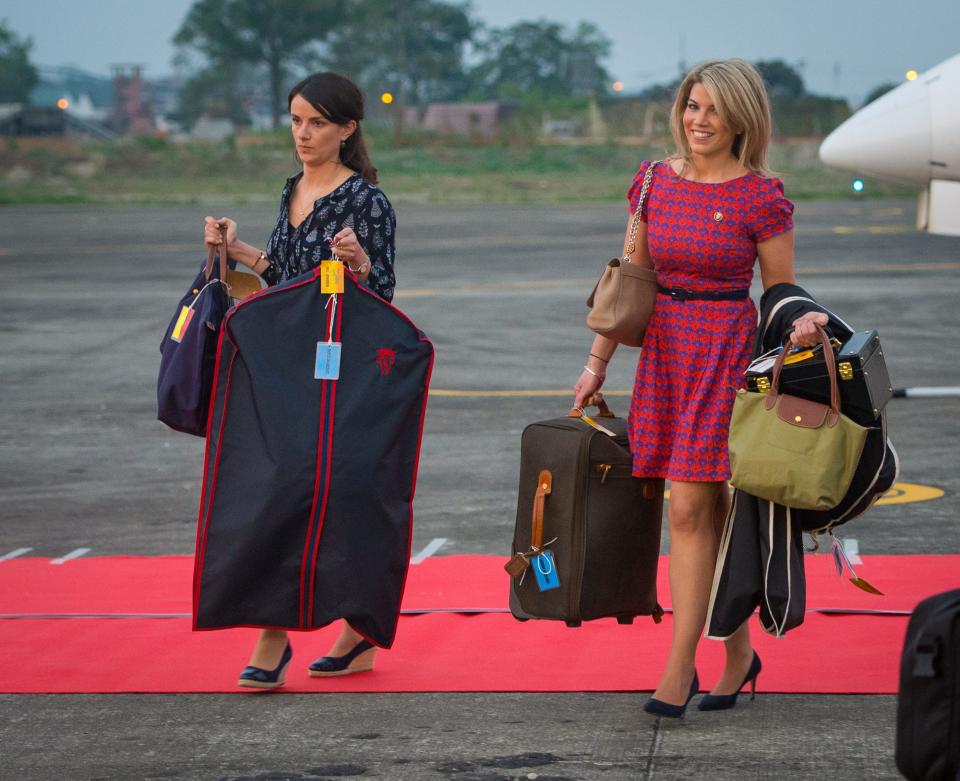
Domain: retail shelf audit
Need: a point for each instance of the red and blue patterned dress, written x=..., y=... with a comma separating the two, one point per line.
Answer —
x=701, y=237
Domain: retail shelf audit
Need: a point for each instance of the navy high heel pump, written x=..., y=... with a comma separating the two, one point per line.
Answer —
x=359, y=660
x=665, y=709
x=726, y=701
x=258, y=678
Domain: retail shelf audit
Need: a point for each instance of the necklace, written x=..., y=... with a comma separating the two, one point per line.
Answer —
x=310, y=198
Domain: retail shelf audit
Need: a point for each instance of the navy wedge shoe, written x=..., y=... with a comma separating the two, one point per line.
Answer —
x=359, y=660
x=258, y=678
x=727, y=701
x=666, y=709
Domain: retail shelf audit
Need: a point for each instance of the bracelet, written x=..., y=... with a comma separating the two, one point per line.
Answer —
x=591, y=371
x=262, y=256
x=594, y=355
x=361, y=268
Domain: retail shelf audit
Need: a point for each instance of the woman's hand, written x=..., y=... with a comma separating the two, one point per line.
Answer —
x=347, y=247
x=586, y=386
x=212, y=228
x=804, y=332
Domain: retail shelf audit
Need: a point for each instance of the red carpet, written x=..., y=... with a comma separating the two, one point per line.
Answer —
x=434, y=652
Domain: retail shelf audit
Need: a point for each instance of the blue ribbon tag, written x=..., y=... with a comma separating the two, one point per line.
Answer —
x=328, y=361
x=545, y=570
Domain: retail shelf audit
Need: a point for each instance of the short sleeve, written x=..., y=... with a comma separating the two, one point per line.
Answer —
x=772, y=213
x=633, y=194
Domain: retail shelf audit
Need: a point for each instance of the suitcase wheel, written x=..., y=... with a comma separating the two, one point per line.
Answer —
x=573, y=624
x=657, y=614
x=624, y=619
x=521, y=618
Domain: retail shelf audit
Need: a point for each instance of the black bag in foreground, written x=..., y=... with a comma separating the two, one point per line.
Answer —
x=597, y=526
x=928, y=705
x=188, y=351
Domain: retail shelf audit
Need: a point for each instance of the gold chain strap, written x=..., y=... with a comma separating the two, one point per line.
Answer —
x=641, y=205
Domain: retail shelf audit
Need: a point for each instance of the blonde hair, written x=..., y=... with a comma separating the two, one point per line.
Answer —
x=742, y=104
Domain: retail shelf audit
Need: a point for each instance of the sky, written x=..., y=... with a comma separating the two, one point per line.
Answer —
x=841, y=47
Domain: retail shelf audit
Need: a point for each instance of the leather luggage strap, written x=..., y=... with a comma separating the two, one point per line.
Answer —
x=544, y=487
x=830, y=361
x=211, y=256
x=681, y=294
x=603, y=411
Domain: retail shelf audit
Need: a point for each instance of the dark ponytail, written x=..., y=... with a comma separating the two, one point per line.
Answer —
x=339, y=100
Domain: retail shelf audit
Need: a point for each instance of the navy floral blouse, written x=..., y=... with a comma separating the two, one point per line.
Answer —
x=354, y=204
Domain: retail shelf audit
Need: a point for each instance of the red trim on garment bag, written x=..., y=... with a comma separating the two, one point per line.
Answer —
x=326, y=485
x=206, y=460
x=202, y=548
x=313, y=504
x=423, y=417
x=416, y=470
x=202, y=527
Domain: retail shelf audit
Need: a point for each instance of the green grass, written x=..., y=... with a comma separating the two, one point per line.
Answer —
x=251, y=171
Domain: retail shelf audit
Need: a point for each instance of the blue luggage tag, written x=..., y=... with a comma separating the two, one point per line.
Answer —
x=545, y=570
x=327, y=366
x=328, y=361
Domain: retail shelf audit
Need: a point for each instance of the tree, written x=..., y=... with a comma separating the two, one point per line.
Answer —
x=783, y=81
x=18, y=76
x=542, y=59
x=879, y=91
x=413, y=48
x=275, y=34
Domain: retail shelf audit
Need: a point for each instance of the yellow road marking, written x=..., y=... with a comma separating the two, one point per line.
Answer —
x=945, y=265
x=846, y=230
x=902, y=493
x=513, y=394
x=584, y=283
x=527, y=284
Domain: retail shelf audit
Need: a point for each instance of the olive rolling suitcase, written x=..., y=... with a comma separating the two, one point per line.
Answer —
x=928, y=704
x=587, y=537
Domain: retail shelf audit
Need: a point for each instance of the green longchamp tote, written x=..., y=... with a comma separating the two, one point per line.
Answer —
x=791, y=451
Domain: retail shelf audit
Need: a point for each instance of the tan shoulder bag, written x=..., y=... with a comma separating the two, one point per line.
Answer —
x=622, y=300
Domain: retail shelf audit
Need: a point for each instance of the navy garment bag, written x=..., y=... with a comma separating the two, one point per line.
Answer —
x=189, y=349
x=306, y=507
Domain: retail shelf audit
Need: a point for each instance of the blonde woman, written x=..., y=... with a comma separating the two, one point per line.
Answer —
x=712, y=210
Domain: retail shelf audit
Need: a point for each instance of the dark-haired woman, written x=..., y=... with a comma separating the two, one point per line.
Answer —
x=331, y=207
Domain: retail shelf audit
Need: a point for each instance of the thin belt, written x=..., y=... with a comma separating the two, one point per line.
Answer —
x=682, y=294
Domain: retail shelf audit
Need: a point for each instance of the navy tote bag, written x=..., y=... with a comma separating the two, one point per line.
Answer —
x=189, y=349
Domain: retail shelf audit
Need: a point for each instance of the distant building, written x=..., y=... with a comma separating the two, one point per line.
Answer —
x=20, y=120
x=476, y=120
x=132, y=112
x=212, y=129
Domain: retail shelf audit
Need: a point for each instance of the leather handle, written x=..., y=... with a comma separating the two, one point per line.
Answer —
x=828, y=359
x=212, y=253
x=596, y=400
x=544, y=487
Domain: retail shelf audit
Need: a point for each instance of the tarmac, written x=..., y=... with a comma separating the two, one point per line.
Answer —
x=500, y=291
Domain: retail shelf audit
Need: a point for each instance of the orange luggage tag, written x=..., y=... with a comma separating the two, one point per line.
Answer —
x=840, y=559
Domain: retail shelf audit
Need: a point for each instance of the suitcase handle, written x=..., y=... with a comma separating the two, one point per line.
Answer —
x=544, y=487
x=596, y=400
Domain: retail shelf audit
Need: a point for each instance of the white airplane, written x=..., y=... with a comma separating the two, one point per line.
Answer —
x=910, y=135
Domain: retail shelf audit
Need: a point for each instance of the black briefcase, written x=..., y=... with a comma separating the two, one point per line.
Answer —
x=598, y=526
x=928, y=704
x=865, y=386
